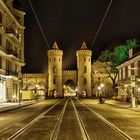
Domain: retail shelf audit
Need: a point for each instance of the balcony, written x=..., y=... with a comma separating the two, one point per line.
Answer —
x=12, y=52
x=11, y=33
x=9, y=72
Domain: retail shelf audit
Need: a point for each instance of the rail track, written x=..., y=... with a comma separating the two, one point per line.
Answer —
x=58, y=115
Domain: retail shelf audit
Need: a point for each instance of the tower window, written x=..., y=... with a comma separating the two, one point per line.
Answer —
x=54, y=69
x=84, y=59
x=0, y=62
x=0, y=39
x=54, y=59
x=85, y=69
x=85, y=81
x=0, y=17
x=54, y=81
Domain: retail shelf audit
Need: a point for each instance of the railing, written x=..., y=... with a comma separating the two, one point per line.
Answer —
x=9, y=72
x=10, y=51
x=12, y=31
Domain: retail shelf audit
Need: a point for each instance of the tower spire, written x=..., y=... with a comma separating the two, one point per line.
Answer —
x=84, y=46
x=55, y=46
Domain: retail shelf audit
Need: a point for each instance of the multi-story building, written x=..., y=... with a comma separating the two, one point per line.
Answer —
x=129, y=75
x=11, y=50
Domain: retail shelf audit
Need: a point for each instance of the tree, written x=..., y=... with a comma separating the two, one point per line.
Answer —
x=110, y=68
x=115, y=58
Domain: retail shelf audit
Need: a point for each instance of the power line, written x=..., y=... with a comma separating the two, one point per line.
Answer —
x=39, y=25
x=110, y=3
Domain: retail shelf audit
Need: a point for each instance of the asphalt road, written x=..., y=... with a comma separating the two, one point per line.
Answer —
x=70, y=120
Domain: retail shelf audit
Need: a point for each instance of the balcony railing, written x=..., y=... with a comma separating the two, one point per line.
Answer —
x=12, y=31
x=10, y=72
x=12, y=52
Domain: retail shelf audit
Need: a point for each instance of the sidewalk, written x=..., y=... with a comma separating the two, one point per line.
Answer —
x=122, y=104
x=10, y=106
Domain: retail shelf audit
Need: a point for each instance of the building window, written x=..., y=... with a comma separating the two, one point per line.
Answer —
x=85, y=69
x=129, y=70
x=136, y=68
x=120, y=74
x=124, y=73
x=84, y=59
x=54, y=59
x=59, y=59
x=20, y=38
x=15, y=68
x=0, y=17
x=54, y=81
x=54, y=69
x=85, y=81
x=0, y=62
x=0, y=39
x=19, y=54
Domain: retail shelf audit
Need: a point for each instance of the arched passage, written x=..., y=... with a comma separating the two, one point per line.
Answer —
x=69, y=88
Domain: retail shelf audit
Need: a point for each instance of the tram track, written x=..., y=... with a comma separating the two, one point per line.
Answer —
x=116, y=129
x=55, y=124
x=27, y=126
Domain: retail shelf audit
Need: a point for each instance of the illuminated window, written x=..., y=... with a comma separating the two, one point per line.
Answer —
x=124, y=73
x=54, y=81
x=20, y=38
x=129, y=70
x=136, y=68
x=120, y=74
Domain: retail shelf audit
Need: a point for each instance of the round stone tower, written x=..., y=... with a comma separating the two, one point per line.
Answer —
x=84, y=71
x=55, y=71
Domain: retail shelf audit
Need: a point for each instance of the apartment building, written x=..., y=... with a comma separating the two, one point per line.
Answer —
x=11, y=50
x=129, y=75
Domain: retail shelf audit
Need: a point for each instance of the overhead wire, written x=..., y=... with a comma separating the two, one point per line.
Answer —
x=37, y=19
x=102, y=21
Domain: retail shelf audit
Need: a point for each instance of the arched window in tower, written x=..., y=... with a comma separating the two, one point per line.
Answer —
x=54, y=81
x=0, y=62
x=0, y=17
x=85, y=69
x=0, y=39
x=84, y=59
x=54, y=59
x=85, y=81
x=54, y=69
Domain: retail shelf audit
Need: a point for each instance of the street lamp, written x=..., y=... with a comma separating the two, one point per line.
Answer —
x=76, y=91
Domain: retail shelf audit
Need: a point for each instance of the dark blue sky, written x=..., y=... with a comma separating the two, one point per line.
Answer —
x=71, y=22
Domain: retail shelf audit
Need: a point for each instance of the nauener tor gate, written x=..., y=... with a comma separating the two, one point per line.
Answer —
x=57, y=77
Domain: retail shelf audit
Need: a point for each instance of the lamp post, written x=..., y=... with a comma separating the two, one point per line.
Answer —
x=19, y=88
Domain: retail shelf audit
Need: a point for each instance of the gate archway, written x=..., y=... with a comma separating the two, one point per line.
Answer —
x=69, y=88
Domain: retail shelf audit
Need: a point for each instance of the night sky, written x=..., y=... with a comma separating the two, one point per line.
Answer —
x=70, y=22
